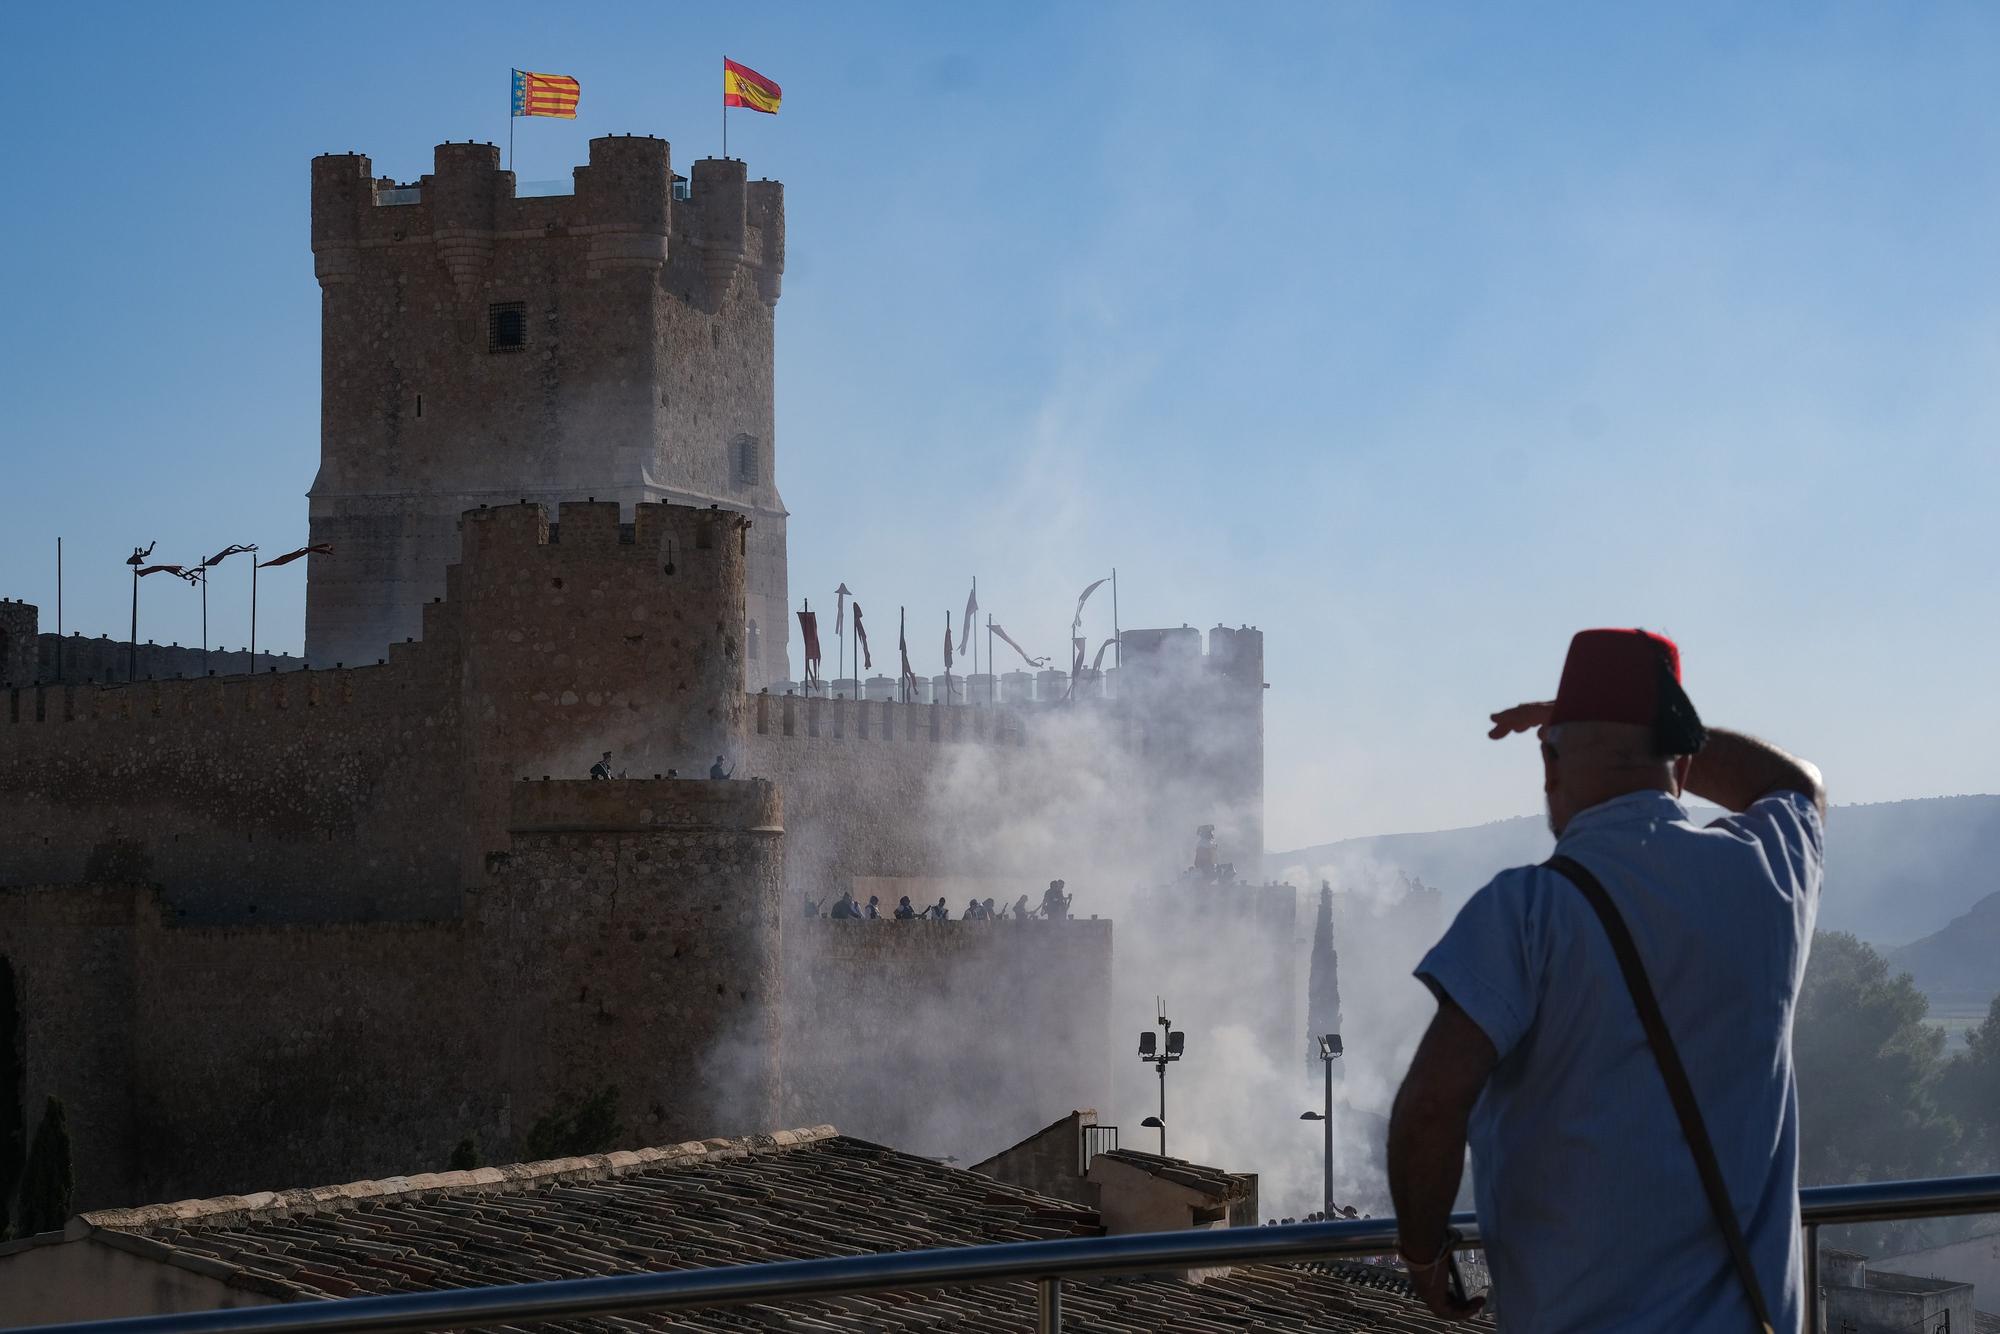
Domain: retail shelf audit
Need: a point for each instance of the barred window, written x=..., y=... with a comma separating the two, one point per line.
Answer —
x=745, y=460
x=506, y=326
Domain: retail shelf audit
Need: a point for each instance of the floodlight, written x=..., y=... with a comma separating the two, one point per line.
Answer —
x=1329, y=1045
x=1311, y=1116
x=1149, y=1044
x=1176, y=1041
x=1153, y=1123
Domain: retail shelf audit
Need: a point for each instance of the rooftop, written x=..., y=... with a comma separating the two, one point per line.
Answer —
x=793, y=1195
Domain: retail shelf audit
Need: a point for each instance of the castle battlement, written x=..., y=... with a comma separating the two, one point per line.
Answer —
x=781, y=716
x=625, y=206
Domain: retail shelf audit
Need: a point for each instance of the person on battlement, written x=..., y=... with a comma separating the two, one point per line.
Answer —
x=874, y=911
x=988, y=913
x=717, y=771
x=904, y=912
x=974, y=911
x=601, y=769
x=1055, y=903
x=937, y=912
x=1022, y=912
x=811, y=906
x=844, y=909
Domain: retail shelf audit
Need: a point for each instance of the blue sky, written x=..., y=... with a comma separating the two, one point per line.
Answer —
x=1419, y=336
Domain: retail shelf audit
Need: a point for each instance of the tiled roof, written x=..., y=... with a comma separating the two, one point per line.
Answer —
x=794, y=1195
x=1208, y=1180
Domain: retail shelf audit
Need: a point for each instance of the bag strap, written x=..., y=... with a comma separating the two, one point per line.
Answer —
x=1671, y=1070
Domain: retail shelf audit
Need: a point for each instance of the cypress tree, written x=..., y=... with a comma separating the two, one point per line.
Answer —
x=49, y=1183
x=13, y=1121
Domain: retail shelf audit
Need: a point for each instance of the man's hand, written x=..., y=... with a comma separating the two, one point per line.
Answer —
x=1432, y=1284
x=1521, y=718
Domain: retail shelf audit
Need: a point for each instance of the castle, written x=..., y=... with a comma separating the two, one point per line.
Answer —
x=323, y=922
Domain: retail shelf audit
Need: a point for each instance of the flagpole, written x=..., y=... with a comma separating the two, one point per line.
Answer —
x=59, y=612
x=204, y=620
x=253, y=611
x=510, y=160
x=132, y=647
x=975, y=639
x=725, y=108
x=992, y=677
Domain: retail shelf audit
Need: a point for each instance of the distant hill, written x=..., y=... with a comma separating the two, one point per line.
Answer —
x=1962, y=960
x=1896, y=871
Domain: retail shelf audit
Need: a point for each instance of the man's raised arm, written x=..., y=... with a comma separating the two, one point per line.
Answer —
x=1734, y=770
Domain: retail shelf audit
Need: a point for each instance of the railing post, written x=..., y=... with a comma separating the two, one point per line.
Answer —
x=1048, y=1306
x=1812, y=1278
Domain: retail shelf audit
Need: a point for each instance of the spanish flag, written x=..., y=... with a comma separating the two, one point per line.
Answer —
x=745, y=87
x=545, y=94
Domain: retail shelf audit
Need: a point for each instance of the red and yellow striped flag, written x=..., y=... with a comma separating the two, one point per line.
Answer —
x=545, y=94
x=745, y=87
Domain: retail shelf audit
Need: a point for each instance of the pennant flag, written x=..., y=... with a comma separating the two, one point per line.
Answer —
x=225, y=553
x=545, y=94
x=1098, y=661
x=861, y=638
x=178, y=571
x=316, y=549
x=840, y=596
x=903, y=646
x=947, y=643
x=745, y=87
x=1008, y=640
x=1082, y=598
x=809, y=632
x=971, y=606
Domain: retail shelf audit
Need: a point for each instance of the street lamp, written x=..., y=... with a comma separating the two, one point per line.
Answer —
x=1159, y=1055
x=1329, y=1052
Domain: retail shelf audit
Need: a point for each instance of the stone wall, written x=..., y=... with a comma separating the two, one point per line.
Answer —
x=628, y=937
x=18, y=641
x=945, y=1037
x=643, y=371
x=376, y=792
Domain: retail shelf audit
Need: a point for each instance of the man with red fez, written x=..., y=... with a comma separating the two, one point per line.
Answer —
x=1613, y=1031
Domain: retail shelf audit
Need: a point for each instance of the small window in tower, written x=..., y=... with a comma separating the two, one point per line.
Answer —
x=745, y=459
x=506, y=326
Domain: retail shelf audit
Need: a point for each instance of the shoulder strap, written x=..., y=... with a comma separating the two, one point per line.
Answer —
x=1675, y=1075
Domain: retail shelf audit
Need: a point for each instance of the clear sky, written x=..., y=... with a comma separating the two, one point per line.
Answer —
x=1417, y=335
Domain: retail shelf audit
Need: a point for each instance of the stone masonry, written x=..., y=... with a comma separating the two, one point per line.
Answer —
x=478, y=348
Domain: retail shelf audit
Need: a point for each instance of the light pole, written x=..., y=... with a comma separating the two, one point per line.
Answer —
x=1160, y=1056
x=1329, y=1052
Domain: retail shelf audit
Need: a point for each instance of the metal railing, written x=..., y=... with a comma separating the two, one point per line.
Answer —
x=1046, y=1263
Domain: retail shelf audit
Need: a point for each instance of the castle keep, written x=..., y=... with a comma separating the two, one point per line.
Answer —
x=478, y=348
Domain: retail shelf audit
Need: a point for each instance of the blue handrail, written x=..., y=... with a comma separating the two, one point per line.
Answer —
x=1046, y=1262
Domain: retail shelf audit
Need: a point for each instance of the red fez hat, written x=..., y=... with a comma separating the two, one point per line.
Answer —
x=1629, y=676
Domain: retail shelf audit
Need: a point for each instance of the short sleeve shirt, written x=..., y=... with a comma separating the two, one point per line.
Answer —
x=1591, y=1210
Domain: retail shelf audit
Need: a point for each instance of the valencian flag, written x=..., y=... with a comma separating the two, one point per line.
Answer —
x=545, y=94
x=316, y=549
x=1008, y=640
x=809, y=632
x=178, y=571
x=745, y=87
x=1082, y=598
x=861, y=638
x=225, y=554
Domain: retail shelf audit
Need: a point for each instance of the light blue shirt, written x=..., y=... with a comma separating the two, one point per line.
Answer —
x=1592, y=1214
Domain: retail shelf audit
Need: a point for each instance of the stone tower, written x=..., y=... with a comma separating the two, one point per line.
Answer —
x=478, y=348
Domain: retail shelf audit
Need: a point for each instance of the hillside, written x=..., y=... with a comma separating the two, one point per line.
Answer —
x=1896, y=871
x=1962, y=960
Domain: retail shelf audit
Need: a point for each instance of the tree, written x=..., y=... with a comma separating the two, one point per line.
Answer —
x=13, y=1120
x=574, y=1129
x=1868, y=1067
x=49, y=1182
x=1970, y=1090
